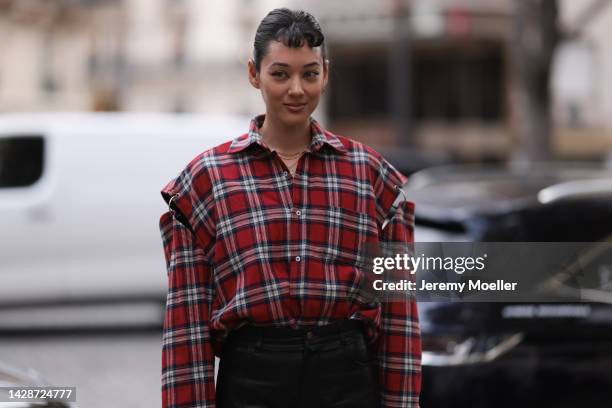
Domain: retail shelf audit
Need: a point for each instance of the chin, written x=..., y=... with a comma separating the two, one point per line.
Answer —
x=292, y=119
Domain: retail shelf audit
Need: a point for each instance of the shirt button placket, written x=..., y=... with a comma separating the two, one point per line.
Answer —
x=298, y=214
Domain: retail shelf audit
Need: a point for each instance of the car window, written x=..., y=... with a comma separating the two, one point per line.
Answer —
x=21, y=160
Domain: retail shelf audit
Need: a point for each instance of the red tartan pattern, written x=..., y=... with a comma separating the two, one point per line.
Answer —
x=249, y=243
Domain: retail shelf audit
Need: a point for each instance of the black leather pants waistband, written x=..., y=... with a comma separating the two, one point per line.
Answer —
x=287, y=336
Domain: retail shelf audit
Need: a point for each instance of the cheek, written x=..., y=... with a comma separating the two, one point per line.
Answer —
x=272, y=92
x=314, y=90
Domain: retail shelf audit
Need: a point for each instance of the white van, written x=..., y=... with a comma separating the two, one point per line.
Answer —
x=79, y=212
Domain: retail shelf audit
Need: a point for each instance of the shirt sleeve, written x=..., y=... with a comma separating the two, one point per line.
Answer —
x=187, y=354
x=398, y=346
x=191, y=201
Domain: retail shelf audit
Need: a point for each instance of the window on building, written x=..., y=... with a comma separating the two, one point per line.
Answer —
x=358, y=88
x=458, y=83
x=450, y=82
x=21, y=160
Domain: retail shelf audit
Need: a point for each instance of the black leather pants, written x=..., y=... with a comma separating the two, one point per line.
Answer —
x=328, y=366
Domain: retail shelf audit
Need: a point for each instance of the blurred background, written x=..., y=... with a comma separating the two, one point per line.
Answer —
x=465, y=78
x=500, y=110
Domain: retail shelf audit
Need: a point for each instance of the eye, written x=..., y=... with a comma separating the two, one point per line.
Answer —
x=311, y=74
x=279, y=74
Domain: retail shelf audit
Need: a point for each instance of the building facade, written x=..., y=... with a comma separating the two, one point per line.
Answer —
x=432, y=74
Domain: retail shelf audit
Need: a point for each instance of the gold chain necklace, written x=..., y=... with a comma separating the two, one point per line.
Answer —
x=289, y=156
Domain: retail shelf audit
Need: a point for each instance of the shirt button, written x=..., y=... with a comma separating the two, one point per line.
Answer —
x=298, y=259
x=298, y=213
x=285, y=173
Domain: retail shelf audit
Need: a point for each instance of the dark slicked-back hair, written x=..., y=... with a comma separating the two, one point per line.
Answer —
x=292, y=28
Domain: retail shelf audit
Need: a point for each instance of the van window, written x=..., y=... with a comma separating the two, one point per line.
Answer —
x=21, y=160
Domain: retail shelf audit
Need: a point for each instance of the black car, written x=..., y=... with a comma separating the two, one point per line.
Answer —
x=502, y=354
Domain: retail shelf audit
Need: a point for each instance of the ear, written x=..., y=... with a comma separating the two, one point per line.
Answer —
x=253, y=74
x=325, y=72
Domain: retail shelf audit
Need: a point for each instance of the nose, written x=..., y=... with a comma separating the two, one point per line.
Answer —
x=295, y=87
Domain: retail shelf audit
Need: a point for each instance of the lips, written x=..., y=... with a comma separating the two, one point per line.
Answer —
x=295, y=107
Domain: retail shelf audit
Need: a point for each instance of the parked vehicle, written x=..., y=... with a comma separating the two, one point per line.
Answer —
x=79, y=213
x=518, y=354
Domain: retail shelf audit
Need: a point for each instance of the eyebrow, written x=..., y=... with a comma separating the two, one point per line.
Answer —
x=285, y=65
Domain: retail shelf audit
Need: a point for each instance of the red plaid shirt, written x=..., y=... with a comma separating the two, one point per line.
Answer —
x=249, y=243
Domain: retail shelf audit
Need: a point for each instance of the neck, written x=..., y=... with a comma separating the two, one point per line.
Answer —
x=287, y=139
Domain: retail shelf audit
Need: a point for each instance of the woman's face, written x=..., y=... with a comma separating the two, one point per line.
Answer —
x=291, y=81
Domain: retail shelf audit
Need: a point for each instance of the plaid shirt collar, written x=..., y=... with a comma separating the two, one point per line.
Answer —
x=320, y=138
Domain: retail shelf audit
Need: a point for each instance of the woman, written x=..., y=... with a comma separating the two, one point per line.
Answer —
x=263, y=243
